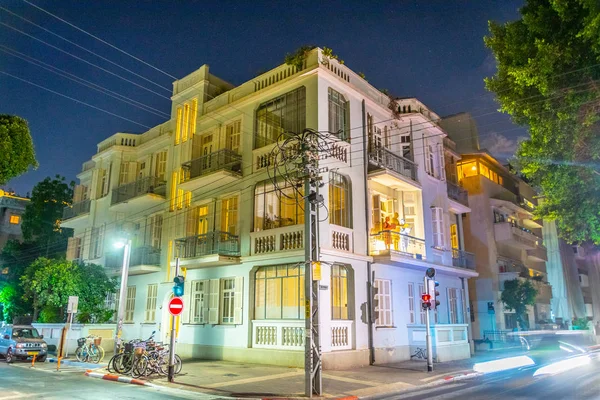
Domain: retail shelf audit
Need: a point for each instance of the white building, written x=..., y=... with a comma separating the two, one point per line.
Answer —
x=198, y=186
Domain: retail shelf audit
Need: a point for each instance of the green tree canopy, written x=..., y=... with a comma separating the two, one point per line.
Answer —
x=548, y=80
x=16, y=148
x=516, y=296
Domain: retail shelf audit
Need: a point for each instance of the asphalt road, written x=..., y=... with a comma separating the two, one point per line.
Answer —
x=579, y=383
x=18, y=381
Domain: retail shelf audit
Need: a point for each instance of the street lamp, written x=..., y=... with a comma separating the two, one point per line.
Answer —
x=125, y=244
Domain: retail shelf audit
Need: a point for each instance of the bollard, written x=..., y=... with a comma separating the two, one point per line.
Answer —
x=33, y=361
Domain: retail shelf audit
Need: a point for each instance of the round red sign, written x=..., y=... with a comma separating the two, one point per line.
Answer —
x=176, y=306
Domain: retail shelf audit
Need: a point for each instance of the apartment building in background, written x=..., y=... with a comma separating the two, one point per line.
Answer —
x=12, y=208
x=197, y=187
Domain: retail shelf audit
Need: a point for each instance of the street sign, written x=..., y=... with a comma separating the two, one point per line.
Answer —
x=72, y=305
x=175, y=306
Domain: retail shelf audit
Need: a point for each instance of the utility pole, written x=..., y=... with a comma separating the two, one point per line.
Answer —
x=123, y=294
x=171, y=372
x=426, y=306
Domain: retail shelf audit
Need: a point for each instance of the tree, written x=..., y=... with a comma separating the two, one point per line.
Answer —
x=547, y=79
x=16, y=147
x=41, y=219
x=94, y=286
x=516, y=296
x=11, y=299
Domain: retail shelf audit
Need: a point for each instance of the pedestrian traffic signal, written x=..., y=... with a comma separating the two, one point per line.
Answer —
x=426, y=301
x=178, y=288
x=433, y=292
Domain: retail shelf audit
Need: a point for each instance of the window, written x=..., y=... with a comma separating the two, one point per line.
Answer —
x=151, y=303
x=156, y=231
x=186, y=122
x=422, y=316
x=104, y=179
x=229, y=215
x=430, y=160
x=110, y=302
x=199, y=297
x=96, y=242
x=279, y=292
x=178, y=126
x=383, y=312
x=275, y=210
x=286, y=113
x=437, y=218
x=454, y=236
x=339, y=115
x=467, y=169
x=130, y=304
x=161, y=166
x=193, y=117
x=339, y=292
x=173, y=194
x=123, y=172
x=227, y=300
x=405, y=146
x=455, y=306
x=15, y=219
x=340, y=204
x=411, y=303
x=233, y=136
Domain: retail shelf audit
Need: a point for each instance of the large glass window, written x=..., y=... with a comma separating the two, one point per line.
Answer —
x=273, y=209
x=286, y=113
x=339, y=115
x=340, y=203
x=279, y=292
x=339, y=292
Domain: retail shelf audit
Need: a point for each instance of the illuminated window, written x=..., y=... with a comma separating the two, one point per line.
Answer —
x=161, y=165
x=173, y=191
x=186, y=123
x=454, y=236
x=229, y=215
x=466, y=170
x=339, y=292
x=275, y=210
x=279, y=292
x=286, y=113
x=178, y=126
x=484, y=170
x=500, y=180
x=340, y=207
x=15, y=219
x=339, y=115
x=194, y=117
x=233, y=135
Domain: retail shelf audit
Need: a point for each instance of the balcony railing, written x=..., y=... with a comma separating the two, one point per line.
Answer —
x=143, y=255
x=221, y=243
x=149, y=184
x=391, y=241
x=225, y=159
x=384, y=158
x=76, y=209
x=508, y=265
x=457, y=193
x=463, y=259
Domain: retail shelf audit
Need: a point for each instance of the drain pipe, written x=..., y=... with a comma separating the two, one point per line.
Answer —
x=370, y=279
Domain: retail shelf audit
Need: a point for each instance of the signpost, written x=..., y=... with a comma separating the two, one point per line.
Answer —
x=176, y=306
x=71, y=309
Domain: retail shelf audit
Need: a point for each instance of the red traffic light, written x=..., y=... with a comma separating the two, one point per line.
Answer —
x=425, y=297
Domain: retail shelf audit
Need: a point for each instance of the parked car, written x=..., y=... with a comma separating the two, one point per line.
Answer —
x=22, y=342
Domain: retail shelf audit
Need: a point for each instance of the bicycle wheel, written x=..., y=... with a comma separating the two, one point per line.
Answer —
x=123, y=363
x=94, y=355
x=81, y=354
x=101, y=351
x=139, y=367
x=111, y=364
x=178, y=364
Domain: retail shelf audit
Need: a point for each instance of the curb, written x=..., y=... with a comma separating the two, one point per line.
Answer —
x=455, y=378
x=78, y=364
x=117, y=378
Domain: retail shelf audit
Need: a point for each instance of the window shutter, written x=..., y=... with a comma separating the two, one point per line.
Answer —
x=78, y=194
x=213, y=302
x=107, y=181
x=441, y=163
x=376, y=213
x=205, y=293
x=427, y=154
x=187, y=291
x=72, y=248
x=238, y=299
x=437, y=219
x=132, y=173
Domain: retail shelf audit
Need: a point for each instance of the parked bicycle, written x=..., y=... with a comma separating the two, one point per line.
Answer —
x=122, y=362
x=89, y=349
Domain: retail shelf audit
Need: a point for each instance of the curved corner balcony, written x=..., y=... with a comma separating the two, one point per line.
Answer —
x=75, y=215
x=209, y=250
x=223, y=166
x=392, y=170
x=142, y=194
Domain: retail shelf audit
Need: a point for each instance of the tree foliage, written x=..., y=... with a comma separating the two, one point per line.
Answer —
x=16, y=148
x=548, y=80
x=516, y=296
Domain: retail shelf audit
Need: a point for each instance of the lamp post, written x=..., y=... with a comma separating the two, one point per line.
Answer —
x=126, y=245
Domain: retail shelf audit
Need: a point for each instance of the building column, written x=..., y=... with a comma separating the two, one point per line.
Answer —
x=465, y=286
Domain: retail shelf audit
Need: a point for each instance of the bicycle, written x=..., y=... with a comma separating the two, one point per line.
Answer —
x=419, y=354
x=89, y=349
x=122, y=362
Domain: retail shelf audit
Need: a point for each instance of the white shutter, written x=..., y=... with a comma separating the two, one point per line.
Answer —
x=427, y=155
x=132, y=173
x=107, y=181
x=376, y=214
x=441, y=163
x=437, y=219
x=238, y=300
x=205, y=294
x=78, y=194
x=187, y=303
x=213, y=302
x=72, y=246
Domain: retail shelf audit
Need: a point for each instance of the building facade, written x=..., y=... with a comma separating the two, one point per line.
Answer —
x=198, y=187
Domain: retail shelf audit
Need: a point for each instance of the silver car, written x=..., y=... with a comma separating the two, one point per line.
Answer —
x=22, y=342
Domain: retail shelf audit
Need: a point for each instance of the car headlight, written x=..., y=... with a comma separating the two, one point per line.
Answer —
x=44, y=345
x=20, y=345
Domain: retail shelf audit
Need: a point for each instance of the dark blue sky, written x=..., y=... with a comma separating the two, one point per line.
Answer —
x=429, y=49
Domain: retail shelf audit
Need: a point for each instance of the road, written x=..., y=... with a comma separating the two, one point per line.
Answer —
x=18, y=381
x=579, y=383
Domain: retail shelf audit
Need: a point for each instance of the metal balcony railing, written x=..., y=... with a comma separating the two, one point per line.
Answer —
x=463, y=259
x=383, y=158
x=457, y=193
x=225, y=159
x=149, y=184
x=221, y=243
x=386, y=241
x=76, y=209
x=143, y=255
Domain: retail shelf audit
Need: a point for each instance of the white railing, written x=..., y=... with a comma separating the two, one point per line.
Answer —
x=341, y=335
x=278, y=239
x=341, y=238
x=278, y=334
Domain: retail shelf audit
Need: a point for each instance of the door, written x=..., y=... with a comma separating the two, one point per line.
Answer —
x=207, y=148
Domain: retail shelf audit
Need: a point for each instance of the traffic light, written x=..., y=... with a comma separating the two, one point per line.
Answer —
x=426, y=301
x=433, y=292
x=178, y=288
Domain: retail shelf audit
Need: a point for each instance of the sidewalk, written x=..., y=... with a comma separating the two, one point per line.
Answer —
x=224, y=378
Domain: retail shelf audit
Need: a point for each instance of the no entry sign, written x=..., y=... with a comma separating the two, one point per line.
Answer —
x=175, y=306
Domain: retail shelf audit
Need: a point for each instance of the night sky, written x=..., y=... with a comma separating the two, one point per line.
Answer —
x=432, y=50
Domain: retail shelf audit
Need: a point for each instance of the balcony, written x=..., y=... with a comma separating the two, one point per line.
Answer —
x=142, y=194
x=459, y=198
x=143, y=260
x=209, y=250
x=539, y=254
x=463, y=259
x=285, y=239
x=395, y=243
x=75, y=215
x=392, y=170
x=516, y=236
x=223, y=166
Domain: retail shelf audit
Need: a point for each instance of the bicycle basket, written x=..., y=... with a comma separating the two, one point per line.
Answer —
x=97, y=341
x=80, y=342
x=139, y=351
